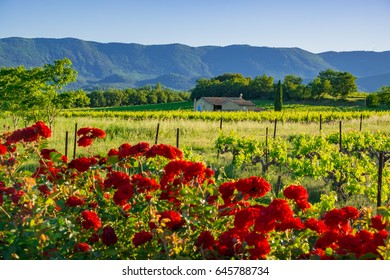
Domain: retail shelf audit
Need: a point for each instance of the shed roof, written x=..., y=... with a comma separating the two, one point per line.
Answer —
x=222, y=100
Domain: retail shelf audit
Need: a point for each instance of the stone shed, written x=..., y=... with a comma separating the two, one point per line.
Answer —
x=224, y=104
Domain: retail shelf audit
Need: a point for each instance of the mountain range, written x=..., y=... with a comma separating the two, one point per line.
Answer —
x=177, y=66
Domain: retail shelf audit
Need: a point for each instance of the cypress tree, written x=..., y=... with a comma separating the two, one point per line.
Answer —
x=278, y=104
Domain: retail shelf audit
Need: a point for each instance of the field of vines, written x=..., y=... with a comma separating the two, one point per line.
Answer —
x=268, y=115
x=127, y=193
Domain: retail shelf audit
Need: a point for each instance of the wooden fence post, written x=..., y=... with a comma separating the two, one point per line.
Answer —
x=66, y=143
x=177, y=138
x=266, y=145
x=320, y=123
x=157, y=131
x=75, y=141
x=380, y=174
x=361, y=122
x=220, y=124
x=276, y=121
x=341, y=136
x=278, y=185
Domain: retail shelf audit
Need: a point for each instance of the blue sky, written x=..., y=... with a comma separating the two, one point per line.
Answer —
x=313, y=25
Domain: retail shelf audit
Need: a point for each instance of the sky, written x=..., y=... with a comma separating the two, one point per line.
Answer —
x=313, y=25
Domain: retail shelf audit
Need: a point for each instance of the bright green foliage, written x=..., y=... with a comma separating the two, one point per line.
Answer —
x=33, y=94
x=353, y=171
x=380, y=98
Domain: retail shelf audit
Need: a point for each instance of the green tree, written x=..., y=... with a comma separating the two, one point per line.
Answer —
x=341, y=84
x=97, y=99
x=261, y=87
x=293, y=87
x=32, y=94
x=278, y=104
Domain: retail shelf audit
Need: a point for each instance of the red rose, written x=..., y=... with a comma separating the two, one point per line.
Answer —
x=82, y=164
x=316, y=225
x=144, y=184
x=229, y=242
x=91, y=220
x=291, y=223
x=74, y=201
x=328, y=239
x=98, y=133
x=173, y=218
x=108, y=236
x=3, y=150
x=166, y=151
x=15, y=196
x=260, y=243
x=123, y=193
x=227, y=190
x=82, y=247
x=141, y=238
x=253, y=186
x=84, y=141
x=378, y=223
x=87, y=134
x=298, y=194
x=42, y=129
x=280, y=209
x=44, y=190
x=205, y=241
x=138, y=149
x=245, y=218
x=115, y=179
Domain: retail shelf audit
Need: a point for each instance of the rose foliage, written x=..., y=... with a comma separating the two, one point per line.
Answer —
x=148, y=202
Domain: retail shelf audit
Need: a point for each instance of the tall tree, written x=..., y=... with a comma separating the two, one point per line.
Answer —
x=278, y=104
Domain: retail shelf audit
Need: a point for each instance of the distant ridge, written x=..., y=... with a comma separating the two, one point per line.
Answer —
x=103, y=65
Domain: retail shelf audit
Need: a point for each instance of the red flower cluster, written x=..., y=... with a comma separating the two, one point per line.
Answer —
x=338, y=219
x=82, y=247
x=90, y=220
x=166, y=151
x=126, y=150
x=109, y=236
x=205, y=241
x=121, y=182
x=82, y=164
x=141, y=238
x=144, y=184
x=180, y=172
x=378, y=223
x=171, y=219
x=298, y=194
x=13, y=192
x=237, y=193
x=87, y=134
x=74, y=201
x=30, y=133
x=3, y=150
x=253, y=187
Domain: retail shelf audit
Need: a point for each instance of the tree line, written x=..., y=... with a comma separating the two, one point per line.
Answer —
x=328, y=82
x=135, y=96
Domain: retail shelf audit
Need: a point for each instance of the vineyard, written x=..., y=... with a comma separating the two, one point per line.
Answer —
x=285, y=116
x=139, y=200
x=351, y=164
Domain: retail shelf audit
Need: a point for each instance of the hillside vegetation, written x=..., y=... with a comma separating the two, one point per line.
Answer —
x=178, y=66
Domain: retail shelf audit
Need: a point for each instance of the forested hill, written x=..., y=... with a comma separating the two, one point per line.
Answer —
x=179, y=66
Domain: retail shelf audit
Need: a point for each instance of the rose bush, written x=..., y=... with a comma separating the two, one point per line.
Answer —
x=149, y=202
